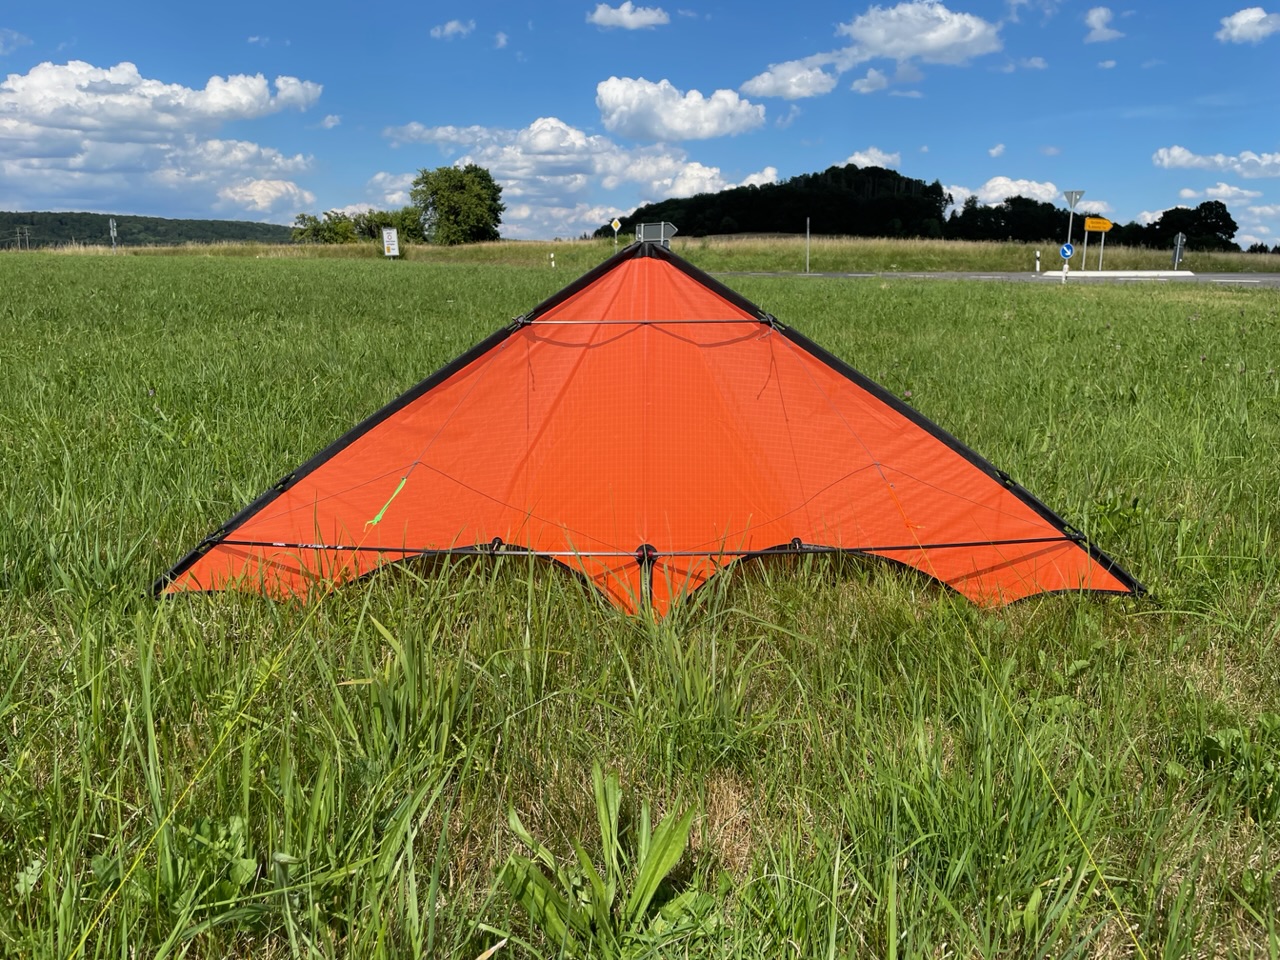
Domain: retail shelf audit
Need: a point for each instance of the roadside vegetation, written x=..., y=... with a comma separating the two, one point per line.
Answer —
x=810, y=758
x=783, y=253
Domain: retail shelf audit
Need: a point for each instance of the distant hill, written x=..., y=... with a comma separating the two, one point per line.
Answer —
x=847, y=201
x=55, y=229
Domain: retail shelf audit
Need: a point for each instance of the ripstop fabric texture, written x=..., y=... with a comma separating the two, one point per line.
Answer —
x=645, y=427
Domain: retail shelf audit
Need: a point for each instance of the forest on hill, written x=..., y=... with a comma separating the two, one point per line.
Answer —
x=39, y=230
x=856, y=201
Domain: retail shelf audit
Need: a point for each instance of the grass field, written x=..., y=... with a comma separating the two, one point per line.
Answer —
x=813, y=759
x=776, y=254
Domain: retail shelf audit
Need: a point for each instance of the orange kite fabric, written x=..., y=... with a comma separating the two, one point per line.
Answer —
x=645, y=427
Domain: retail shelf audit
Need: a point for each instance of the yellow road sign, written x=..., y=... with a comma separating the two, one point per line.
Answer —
x=1097, y=224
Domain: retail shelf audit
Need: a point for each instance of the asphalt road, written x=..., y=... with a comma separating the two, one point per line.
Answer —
x=1055, y=276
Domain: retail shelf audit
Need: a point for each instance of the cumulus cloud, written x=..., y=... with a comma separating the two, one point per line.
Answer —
x=266, y=196
x=452, y=29
x=999, y=189
x=923, y=30
x=1098, y=20
x=1246, y=164
x=1251, y=25
x=873, y=81
x=94, y=136
x=996, y=151
x=11, y=40
x=330, y=121
x=1221, y=191
x=1264, y=211
x=627, y=16
x=642, y=110
x=553, y=175
x=874, y=157
x=500, y=40
x=793, y=80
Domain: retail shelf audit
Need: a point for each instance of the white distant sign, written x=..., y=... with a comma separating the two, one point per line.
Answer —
x=390, y=242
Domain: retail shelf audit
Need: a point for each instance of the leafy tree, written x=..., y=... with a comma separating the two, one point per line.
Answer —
x=458, y=204
x=336, y=227
x=1207, y=227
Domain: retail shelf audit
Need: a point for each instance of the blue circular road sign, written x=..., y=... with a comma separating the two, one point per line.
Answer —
x=1066, y=251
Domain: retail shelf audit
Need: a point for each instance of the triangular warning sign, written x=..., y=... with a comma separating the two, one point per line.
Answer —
x=645, y=427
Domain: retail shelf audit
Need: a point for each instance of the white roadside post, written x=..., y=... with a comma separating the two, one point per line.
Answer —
x=1066, y=252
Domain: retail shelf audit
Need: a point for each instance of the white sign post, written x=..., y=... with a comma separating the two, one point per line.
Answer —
x=112, y=224
x=390, y=242
x=1072, y=197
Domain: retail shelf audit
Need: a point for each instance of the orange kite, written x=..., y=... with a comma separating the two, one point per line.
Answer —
x=645, y=427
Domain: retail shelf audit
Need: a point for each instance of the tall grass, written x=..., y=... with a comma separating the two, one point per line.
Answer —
x=749, y=253
x=871, y=767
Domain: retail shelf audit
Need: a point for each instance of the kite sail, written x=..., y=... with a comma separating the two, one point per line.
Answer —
x=646, y=427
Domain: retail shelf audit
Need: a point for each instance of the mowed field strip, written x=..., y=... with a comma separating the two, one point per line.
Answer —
x=864, y=765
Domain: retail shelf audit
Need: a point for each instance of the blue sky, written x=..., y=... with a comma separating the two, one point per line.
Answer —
x=585, y=110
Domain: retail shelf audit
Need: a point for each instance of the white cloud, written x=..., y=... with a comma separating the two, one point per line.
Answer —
x=1246, y=164
x=500, y=40
x=1098, y=20
x=873, y=81
x=266, y=196
x=553, y=174
x=793, y=80
x=786, y=119
x=391, y=189
x=1106, y=64
x=11, y=40
x=642, y=110
x=76, y=134
x=874, y=157
x=996, y=151
x=1096, y=207
x=117, y=101
x=330, y=121
x=1221, y=191
x=1251, y=25
x=452, y=29
x=1034, y=63
x=1051, y=151
x=1148, y=217
x=1264, y=211
x=258, y=41
x=923, y=30
x=766, y=176
x=911, y=94
x=627, y=16
x=999, y=189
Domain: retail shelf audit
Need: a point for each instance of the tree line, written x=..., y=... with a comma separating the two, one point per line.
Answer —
x=40, y=229
x=875, y=202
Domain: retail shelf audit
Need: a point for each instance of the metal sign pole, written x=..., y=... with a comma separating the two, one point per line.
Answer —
x=1101, y=248
x=1084, y=251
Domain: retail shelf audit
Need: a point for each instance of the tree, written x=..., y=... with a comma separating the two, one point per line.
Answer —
x=336, y=227
x=1207, y=227
x=458, y=204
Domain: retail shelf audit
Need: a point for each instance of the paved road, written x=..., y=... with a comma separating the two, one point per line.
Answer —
x=1089, y=276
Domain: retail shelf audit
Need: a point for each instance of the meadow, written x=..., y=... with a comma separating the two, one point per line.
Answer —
x=811, y=758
